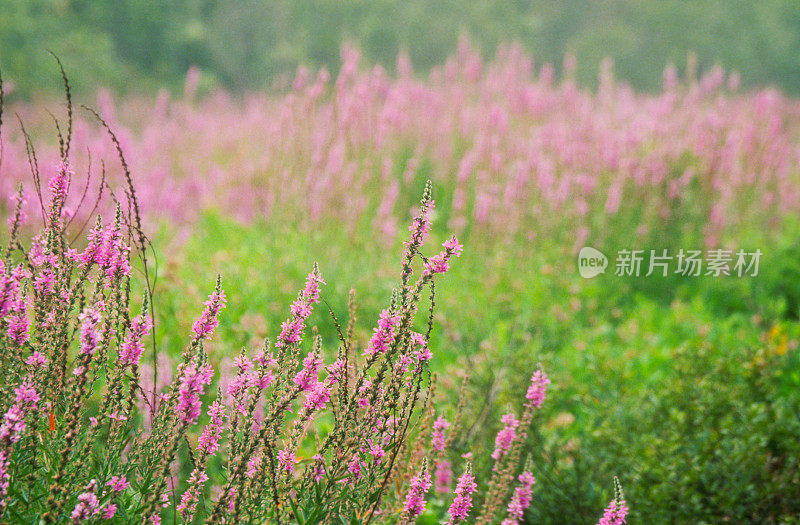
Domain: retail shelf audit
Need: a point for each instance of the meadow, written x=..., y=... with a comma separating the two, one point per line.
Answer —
x=683, y=386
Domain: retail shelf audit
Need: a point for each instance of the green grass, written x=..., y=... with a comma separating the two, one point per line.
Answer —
x=636, y=363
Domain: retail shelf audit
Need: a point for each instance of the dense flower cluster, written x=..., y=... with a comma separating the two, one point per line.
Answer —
x=192, y=381
x=462, y=503
x=292, y=432
x=521, y=499
x=524, y=151
x=418, y=487
x=133, y=346
x=617, y=510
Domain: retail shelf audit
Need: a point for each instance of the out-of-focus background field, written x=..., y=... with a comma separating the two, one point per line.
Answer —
x=265, y=136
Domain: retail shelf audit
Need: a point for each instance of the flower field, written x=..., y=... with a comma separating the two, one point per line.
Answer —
x=440, y=360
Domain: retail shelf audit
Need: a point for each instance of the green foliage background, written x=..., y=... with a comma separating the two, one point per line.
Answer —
x=246, y=44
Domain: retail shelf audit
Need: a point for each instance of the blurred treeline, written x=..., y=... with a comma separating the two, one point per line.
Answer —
x=247, y=44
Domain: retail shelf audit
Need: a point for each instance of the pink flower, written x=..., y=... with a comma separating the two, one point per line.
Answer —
x=317, y=398
x=5, y=475
x=336, y=371
x=443, y=476
x=107, y=249
x=418, y=487
x=265, y=359
x=440, y=262
x=45, y=282
x=252, y=465
x=243, y=363
x=521, y=499
x=292, y=329
x=204, y=326
x=109, y=511
x=384, y=333
x=308, y=376
x=423, y=353
x=9, y=291
x=453, y=246
x=286, y=460
x=36, y=359
x=421, y=225
x=291, y=332
x=376, y=450
x=25, y=398
x=208, y=442
x=13, y=424
x=438, y=438
x=617, y=510
x=188, y=503
x=118, y=483
x=459, y=509
x=265, y=379
x=614, y=514
x=363, y=390
x=18, y=320
x=538, y=388
x=88, y=504
x=132, y=347
x=313, y=282
x=354, y=467
x=189, y=391
x=116, y=415
x=26, y=395
x=505, y=438
x=59, y=185
x=90, y=336
x=319, y=467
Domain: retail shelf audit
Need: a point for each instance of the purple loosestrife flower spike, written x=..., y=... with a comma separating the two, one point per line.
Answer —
x=36, y=360
x=192, y=381
x=505, y=438
x=88, y=504
x=25, y=398
x=292, y=329
x=189, y=499
x=18, y=321
x=286, y=460
x=308, y=377
x=118, y=483
x=538, y=388
x=617, y=510
x=133, y=345
x=90, y=336
x=438, y=437
x=384, y=333
x=443, y=476
x=205, y=324
x=9, y=288
x=317, y=398
x=59, y=188
x=440, y=262
x=208, y=442
x=521, y=499
x=421, y=225
x=418, y=487
x=459, y=509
